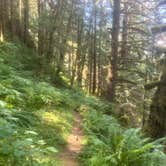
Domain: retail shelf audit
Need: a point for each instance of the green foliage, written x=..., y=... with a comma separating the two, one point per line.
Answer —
x=110, y=144
x=30, y=130
x=18, y=145
x=17, y=56
x=35, y=120
x=19, y=118
x=31, y=95
x=22, y=148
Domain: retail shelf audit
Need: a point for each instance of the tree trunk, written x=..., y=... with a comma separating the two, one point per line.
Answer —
x=124, y=33
x=26, y=21
x=114, y=54
x=94, y=51
x=1, y=21
x=40, y=38
x=156, y=125
x=64, y=41
x=79, y=52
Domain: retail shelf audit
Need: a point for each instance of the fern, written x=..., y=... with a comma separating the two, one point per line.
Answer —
x=110, y=144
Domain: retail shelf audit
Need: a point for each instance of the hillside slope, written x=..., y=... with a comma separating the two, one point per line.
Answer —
x=35, y=117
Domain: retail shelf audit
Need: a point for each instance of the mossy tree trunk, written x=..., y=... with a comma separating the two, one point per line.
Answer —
x=157, y=117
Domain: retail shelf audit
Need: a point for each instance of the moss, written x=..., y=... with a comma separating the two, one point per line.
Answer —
x=157, y=118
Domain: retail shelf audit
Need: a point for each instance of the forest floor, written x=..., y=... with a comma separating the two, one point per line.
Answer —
x=68, y=156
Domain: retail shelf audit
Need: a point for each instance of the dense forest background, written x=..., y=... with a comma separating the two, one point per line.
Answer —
x=105, y=52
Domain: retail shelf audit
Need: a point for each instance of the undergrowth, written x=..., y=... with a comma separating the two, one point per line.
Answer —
x=109, y=144
x=35, y=117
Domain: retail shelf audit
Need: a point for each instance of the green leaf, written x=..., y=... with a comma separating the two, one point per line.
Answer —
x=52, y=149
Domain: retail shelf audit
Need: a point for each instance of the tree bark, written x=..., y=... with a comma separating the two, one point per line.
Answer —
x=1, y=20
x=26, y=21
x=157, y=118
x=114, y=53
x=94, y=50
x=41, y=46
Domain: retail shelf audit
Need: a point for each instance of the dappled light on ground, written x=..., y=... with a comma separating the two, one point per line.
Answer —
x=68, y=157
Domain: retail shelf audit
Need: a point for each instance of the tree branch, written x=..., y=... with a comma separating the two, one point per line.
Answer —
x=152, y=85
x=158, y=29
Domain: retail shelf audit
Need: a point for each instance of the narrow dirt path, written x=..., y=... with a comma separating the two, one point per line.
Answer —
x=68, y=157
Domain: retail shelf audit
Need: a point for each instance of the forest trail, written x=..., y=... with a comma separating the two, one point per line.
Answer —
x=68, y=157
